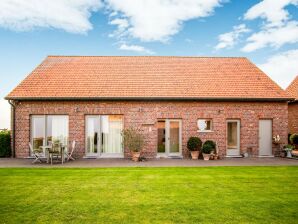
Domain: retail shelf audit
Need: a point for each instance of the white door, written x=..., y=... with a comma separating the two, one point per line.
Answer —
x=103, y=136
x=265, y=137
x=233, y=138
x=169, y=138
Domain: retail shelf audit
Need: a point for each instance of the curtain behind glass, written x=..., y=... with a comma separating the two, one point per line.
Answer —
x=57, y=130
x=38, y=131
x=111, y=127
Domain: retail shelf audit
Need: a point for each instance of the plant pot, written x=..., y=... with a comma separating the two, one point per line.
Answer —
x=194, y=154
x=206, y=156
x=289, y=154
x=135, y=156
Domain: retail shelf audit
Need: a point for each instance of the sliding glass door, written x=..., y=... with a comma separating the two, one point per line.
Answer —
x=48, y=128
x=103, y=136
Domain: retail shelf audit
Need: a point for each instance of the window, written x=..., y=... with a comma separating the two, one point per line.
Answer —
x=48, y=128
x=204, y=125
x=103, y=134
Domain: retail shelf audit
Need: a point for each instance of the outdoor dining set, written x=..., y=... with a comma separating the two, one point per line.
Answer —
x=54, y=150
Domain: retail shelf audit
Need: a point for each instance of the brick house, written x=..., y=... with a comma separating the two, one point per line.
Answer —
x=91, y=99
x=292, y=90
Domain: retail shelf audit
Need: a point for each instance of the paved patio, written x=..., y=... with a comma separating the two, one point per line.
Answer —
x=9, y=162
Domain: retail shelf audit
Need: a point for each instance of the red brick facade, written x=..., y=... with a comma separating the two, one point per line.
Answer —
x=146, y=113
x=293, y=117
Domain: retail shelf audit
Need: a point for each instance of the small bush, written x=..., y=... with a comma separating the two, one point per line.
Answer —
x=133, y=139
x=5, y=147
x=194, y=144
x=208, y=147
x=294, y=139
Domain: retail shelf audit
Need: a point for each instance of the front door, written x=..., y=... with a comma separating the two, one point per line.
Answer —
x=265, y=137
x=233, y=138
x=169, y=138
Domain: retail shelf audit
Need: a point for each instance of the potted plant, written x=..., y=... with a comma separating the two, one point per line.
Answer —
x=133, y=140
x=288, y=149
x=194, y=145
x=208, y=147
x=294, y=140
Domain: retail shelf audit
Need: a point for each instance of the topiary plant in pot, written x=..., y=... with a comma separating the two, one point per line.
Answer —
x=294, y=140
x=194, y=145
x=207, y=148
x=133, y=140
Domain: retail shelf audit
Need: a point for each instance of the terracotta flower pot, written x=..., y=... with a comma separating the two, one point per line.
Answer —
x=135, y=156
x=206, y=156
x=194, y=154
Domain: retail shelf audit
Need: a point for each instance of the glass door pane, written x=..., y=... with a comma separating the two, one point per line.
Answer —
x=37, y=131
x=57, y=129
x=174, y=128
x=232, y=135
x=111, y=128
x=161, y=136
x=93, y=131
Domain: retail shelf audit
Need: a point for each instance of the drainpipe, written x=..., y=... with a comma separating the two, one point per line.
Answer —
x=13, y=125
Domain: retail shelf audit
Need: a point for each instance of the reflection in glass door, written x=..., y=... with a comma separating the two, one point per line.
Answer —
x=233, y=138
x=169, y=137
x=92, y=131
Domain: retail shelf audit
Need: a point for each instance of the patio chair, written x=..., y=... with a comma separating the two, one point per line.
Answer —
x=55, y=151
x=69, y=153
x=36, y=153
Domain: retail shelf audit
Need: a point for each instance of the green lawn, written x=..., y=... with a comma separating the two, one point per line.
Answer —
x=150, y=195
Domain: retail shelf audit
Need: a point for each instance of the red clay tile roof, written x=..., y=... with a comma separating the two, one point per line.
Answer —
x=292, y=89
x=120, y=77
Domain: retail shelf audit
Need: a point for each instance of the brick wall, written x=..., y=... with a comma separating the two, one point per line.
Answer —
x=145, y=114
x=293, y=117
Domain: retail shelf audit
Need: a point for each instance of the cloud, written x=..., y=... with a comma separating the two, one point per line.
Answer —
x=157, y=20
x=5, y=114
x=135, y=48
x=69, y=15
x=273, y=37
x=282, y=67
x=272, y=11
x=228, y=40
x=277, y=30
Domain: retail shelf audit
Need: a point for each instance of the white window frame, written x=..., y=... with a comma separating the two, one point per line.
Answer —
x=45, y=128
x=207, y=119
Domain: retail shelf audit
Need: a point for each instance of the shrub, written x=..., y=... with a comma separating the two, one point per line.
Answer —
x=194, y=144
x=5, y=147
x=294, y=139
x=133, y=139
x=208, y=147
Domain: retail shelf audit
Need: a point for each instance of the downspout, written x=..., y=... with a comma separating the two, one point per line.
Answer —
x=13, y=125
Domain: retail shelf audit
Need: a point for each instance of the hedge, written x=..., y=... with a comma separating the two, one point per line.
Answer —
x=5, y=147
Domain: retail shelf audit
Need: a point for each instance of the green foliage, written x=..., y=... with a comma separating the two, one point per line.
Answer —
x=133, y=139
x=194, y=144
x=294, y=139
x=208, y=147
x=5, y=146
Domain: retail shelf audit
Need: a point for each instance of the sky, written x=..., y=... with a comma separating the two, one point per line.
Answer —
x=264, y=31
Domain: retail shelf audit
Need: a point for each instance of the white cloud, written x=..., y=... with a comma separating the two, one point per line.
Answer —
x=69, y=15
x=271, y=10
x=158, y=20
x=136, y=48
x=273, y=37
x=277, y=30
x=228, y=40
x=4, y=114
x=282, y=67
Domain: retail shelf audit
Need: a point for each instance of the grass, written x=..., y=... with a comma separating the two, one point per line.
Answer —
x=150, y=195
